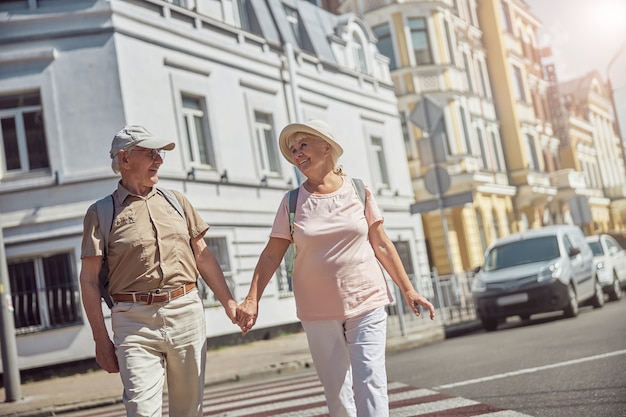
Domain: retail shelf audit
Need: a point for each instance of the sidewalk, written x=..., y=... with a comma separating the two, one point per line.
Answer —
x=260, y=358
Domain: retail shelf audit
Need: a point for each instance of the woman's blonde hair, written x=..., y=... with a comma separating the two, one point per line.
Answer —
x=298, y=136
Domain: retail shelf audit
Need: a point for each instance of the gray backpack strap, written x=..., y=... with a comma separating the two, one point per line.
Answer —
x=292, y=201
x=104, y=209
x=359, y=187
x=173, y=200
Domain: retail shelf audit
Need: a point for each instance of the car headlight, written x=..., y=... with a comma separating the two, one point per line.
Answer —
x=550, y=273
x=478, y=285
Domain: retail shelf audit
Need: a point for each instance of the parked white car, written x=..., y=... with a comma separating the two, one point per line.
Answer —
x=610, y=259
x=536, y=271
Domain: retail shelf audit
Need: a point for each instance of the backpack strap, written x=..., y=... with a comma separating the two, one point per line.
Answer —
x=359, y=187
x=173, y=200
x=104, y=209
x=292, y=201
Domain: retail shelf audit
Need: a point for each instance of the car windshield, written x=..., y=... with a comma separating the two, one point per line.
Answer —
x=596, y=247
x=539, y=249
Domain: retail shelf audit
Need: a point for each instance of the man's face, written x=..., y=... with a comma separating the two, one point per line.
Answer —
x=141, y=165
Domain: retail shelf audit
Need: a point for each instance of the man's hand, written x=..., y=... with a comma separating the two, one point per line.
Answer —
x=105, y=356
x=247, y=313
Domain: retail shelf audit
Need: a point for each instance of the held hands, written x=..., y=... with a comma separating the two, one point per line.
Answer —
x=247, y=313
x=414, y=300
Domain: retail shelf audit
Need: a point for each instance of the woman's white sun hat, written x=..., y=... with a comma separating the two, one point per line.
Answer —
x=317, y=128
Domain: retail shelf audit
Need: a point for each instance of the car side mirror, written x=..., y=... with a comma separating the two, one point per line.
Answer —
x=477, y=269
x=573, y=252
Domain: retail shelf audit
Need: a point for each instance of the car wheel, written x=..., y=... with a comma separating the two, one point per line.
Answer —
x=572, y=307
x=615, y=293
x=597, y=301
x=489, y=324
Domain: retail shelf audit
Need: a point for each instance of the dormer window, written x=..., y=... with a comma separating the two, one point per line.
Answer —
x=358, y=54
x=293, y=21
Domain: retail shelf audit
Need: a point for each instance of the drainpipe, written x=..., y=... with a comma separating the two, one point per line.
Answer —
x=295, y=95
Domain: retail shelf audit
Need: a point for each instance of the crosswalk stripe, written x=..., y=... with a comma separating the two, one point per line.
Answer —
x=302, y=395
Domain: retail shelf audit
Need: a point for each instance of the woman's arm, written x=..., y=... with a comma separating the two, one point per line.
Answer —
x=268, y=262
x=387, y=255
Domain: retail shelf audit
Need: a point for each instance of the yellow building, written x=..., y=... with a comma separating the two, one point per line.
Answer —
x=590, y=146
x=436, y=53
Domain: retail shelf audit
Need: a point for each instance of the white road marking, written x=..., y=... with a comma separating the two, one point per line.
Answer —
x=531, y=370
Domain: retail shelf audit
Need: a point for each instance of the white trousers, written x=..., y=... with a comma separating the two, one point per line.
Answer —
x=159, y=341
x=349, y=357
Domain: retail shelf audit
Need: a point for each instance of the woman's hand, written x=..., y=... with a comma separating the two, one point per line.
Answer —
x=247, y=313
x=414, y=300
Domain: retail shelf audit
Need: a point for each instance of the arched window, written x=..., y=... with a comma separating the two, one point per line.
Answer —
x=358, y=54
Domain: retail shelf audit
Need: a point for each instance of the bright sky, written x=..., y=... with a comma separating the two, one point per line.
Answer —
x=585, y=35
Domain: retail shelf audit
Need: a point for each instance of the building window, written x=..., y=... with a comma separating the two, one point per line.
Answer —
x=483, y=80
x=219, y=247
x=468, y=72
x=408, y=146
x=419, y=39
x=484, y=149
x=466, y=133
x=505, y=14
x=496, y=153
x=404, y=251
x=44, y=292
x=197, y=131
x=380, y=170
x=293, y=21
x=449, y=40
x=242, y=15
x=266, y=143
x=385, y=44
x=284, y=272
x=496, y=224
x=481, y=230
x=531, y=148
x=518, y=84
x=24, y=147
x=358, y=53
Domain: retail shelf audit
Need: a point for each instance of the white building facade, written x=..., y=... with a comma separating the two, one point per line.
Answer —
x=220, y=79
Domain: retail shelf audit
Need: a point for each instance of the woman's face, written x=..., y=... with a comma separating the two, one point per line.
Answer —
x=311, y=152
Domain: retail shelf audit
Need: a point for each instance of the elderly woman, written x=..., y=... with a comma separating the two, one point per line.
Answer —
x=339, y=286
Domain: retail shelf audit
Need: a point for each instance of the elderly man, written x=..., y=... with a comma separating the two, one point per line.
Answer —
x=154, y=257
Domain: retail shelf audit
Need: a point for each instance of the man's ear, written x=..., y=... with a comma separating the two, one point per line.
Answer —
x=123, y=156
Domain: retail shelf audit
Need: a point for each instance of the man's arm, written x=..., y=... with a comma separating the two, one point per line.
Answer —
x=90, y=291
x=213, y=275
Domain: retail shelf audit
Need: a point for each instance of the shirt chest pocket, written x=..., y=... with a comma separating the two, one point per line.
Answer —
x=126, y=232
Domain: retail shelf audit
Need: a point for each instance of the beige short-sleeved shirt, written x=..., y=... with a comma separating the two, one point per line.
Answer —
x=336, y=274
x=149, y=243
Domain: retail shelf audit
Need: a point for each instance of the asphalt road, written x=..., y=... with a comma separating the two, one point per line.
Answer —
x=546, y=367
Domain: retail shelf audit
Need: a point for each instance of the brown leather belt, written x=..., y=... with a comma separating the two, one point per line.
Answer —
x=157, y=296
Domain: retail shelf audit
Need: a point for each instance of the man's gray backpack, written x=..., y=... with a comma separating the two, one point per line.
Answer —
x=105, y=208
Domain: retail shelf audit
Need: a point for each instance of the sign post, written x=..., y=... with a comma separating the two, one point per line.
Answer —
x=428, y=116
